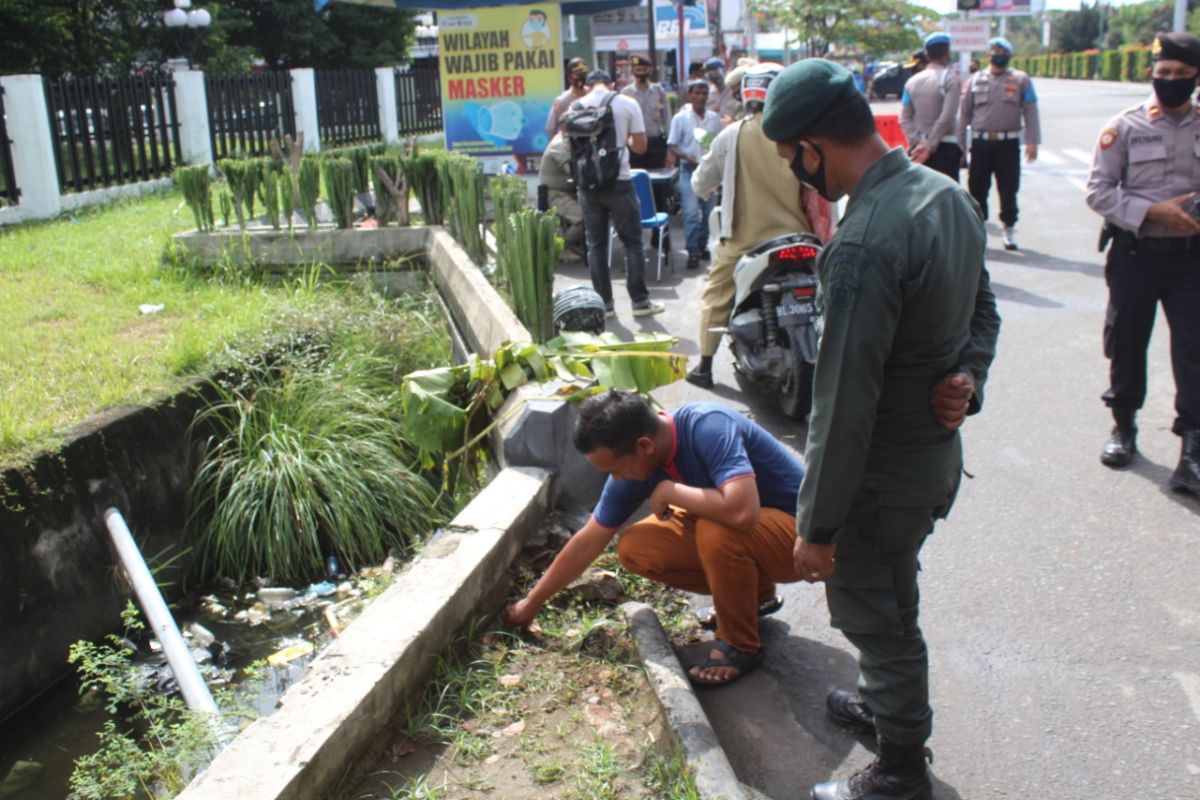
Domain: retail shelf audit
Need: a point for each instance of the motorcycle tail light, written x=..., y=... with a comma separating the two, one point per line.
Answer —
x=803, y=292
x=794, y=256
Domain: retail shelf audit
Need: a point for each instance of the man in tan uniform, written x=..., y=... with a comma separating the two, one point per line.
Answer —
x=1144, y=182
x=556, y=175
x=760, y=201
x=996, y=101
x=720, y=96
x=929, y=110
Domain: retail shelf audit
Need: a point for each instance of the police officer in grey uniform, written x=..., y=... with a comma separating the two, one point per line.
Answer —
x=656, y=113
x=929, y=110
x=907, y=307
x=996, y=101
x=1144, y=182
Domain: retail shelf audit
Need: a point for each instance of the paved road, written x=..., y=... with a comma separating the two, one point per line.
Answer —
x=1059, y=599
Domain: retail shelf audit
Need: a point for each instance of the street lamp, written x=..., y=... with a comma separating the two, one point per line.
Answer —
x=181, y=17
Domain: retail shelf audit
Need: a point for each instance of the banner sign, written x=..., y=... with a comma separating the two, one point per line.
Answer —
x=1010, y=8
x=666, y=22
x=968, y=35
x=500, y=72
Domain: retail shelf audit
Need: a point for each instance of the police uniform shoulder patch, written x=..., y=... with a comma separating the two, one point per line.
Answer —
x=842, y=288
x=1108, y=138
x=1154, y=111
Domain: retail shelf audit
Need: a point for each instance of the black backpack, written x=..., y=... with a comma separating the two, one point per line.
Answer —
x=595, y=154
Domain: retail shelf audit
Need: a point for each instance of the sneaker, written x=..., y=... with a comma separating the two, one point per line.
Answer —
x=652, y=307
x=700, y=377
x=693, y=262
x=610, y=313
x=1010, y=238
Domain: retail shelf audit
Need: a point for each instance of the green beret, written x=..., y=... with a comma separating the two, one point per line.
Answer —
x=802, y=93
x=1183, y=47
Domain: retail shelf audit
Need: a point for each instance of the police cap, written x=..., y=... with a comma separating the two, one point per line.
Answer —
x=639, y=61
x=577, y=65
x=802, y=93
x=937, y=37
x=917, y=57
x=598, y=76
x=1001, y=42
x=1183, y=47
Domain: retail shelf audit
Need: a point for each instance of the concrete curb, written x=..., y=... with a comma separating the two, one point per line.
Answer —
x=351, y=691
x=686, y=719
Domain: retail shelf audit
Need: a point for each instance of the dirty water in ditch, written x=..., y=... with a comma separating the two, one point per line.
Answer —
x=561, y=711
x=256, y=641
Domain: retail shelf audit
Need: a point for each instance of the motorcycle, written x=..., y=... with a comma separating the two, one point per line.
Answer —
x=772, y=328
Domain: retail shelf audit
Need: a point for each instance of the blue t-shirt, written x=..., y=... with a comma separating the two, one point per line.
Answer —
x=713, y=445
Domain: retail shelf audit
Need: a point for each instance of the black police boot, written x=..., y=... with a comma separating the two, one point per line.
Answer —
x=897, y=773
x=1187, y=475
x=849, y=711
x=1119, y=449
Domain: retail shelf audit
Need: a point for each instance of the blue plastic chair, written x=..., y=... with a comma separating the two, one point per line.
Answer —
x=651, y=220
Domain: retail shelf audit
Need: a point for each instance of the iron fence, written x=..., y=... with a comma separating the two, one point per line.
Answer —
x=111, y=131
x=247, y=112
x=9, y=192
x=347, y=107
x=418, y=99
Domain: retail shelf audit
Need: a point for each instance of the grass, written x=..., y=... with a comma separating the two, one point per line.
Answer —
x=564, y=713
x=73, y=339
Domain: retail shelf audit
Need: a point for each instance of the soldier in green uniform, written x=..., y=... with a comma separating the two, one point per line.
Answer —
x=907, y=308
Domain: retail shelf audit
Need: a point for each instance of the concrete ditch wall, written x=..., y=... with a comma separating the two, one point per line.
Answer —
x=58, y=580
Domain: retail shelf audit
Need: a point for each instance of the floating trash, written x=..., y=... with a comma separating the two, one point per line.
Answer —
x=281, y=658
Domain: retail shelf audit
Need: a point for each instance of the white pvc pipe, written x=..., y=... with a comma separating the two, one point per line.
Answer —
x=191, y=683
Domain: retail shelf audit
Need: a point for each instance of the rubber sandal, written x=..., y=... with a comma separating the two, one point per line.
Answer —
x=740, y=660
x=709, y=621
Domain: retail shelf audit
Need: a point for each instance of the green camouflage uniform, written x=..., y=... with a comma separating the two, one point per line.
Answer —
x=905, y=300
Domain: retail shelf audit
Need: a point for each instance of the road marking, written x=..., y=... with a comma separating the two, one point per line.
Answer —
x=1082, y=156
x=1190, y=682
x=1050, y=159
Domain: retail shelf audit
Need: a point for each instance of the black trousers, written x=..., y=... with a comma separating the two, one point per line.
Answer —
x=1137, y=283
x=655, y=156
x=947, y=159
x=1003, y=159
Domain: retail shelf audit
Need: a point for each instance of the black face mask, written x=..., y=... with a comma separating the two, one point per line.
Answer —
x=815, y=179
x=1173, y=93
x=1000, y=59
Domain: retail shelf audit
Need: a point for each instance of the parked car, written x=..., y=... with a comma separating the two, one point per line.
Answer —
x=889, y=81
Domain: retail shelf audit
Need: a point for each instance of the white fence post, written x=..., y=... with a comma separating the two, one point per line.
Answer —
x=304, y=100
x=32, y=146
x=385, y=87
x=191, y=104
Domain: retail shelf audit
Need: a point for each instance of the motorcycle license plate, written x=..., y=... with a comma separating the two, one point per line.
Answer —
x=795, y=313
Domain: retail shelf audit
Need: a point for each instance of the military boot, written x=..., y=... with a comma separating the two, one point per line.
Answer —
x=897, y=773
x=1119, y=449
x=848, y=710
x=1187, y=474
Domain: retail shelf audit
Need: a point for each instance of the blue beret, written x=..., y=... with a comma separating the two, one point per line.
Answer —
x=1000, y=41
x=714, y=63
x=802, y=93
x=937, y=37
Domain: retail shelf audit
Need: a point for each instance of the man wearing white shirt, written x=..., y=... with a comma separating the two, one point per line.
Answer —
x=691, y=129
x=617, y=203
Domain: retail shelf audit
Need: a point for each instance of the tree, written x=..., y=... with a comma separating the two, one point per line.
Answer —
x=287, y=34
x=871, y=28
x=1137, y=24
x=1077, y=30
x=53, y=37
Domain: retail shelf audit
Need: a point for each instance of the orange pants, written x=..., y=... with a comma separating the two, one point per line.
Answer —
x=739, y=568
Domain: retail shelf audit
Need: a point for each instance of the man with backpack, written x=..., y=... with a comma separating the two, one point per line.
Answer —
x=603, y=127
